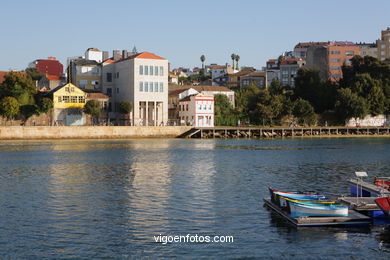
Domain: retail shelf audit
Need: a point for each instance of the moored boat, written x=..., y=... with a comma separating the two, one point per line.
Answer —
x=298, y=209
x=384, y=204
x=297, y=195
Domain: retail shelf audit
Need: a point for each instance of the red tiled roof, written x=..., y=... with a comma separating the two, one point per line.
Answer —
x=177, y=91
x=287, y=61
x=144, y=55
x=271, y=60
x=52, y=77
x=96, y=96
x=218, y=67
x=110, y=60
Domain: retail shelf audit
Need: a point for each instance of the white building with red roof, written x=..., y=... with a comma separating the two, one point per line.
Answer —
x=197, y=110
x=141, y=79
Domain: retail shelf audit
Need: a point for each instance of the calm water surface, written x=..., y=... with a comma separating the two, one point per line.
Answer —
x=107, y=199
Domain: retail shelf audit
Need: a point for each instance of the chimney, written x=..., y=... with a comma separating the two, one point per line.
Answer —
x=124, y=54
x=116, y=54
x=105, y=55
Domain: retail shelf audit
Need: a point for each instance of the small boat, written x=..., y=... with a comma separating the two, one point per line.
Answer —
x=279, y=197
x=298, y=209
x=297, y=195
x=384, y=204
x=383, y=182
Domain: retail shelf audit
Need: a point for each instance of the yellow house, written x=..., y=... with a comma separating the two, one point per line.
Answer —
x=68, y=104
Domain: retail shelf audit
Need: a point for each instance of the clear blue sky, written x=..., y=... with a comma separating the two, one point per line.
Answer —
x=181, y=31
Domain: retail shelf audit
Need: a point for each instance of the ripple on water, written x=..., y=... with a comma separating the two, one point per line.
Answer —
x=108, y=198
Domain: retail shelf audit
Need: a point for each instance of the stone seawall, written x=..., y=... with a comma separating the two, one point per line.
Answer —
x=89, y=132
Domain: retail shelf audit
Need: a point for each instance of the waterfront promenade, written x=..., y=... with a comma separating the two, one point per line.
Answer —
x=90, y=132
x=120, y=132
x=280, y=132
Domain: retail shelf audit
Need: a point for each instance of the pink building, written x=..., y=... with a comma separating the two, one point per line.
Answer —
x=197, y=110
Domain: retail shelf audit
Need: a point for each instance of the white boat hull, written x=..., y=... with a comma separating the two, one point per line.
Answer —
x=299, y=210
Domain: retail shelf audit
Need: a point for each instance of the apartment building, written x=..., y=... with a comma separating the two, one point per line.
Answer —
x=330, y=58
x=141, y=79
x=384, y=45
x=368, y=49
x=288, y=70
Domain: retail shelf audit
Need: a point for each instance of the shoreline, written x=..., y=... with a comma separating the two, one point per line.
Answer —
x=156, y=132
x=89, y=132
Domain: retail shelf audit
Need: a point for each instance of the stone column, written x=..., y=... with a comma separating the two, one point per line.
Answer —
x=146, y=114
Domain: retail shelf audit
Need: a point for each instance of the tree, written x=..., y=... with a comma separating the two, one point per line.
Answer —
x=202, y=59
x=304, y=112
x=225, y=114
x=34, y=74
x=276, y=88
x=376, y=101
x=280, y=59
x=93, y=108
x=9, y=108
x=45, y=106
x=237, y=58
x=20, y=87
x=350, y=105
x=233, y=56
x=125, y=107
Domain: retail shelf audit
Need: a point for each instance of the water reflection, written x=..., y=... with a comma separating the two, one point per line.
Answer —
x=108, y=198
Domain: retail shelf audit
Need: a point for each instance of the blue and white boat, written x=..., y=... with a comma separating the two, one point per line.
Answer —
x=298, y=209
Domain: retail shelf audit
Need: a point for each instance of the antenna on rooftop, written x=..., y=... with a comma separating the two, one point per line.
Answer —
x=134, y=50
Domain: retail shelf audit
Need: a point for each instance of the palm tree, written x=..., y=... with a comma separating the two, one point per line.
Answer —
x=233, y=56
x=202, y=59
x=237, y=58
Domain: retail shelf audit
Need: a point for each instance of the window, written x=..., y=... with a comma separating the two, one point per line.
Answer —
x=81, y=99
x=294, y=71
x=161, y=71
x=95, y=84
x=65, y=99
x=146, y=70
x=335, y=67
x=349, y=53
x=72, y=89
x=117, y=75
x=155, y=86
x=82, y=83
x=187, y=107
x=141, y=70
x=109, y=77
x=59, y=99
x=117, y=90
x=151, y=70
x=156, y=70
x=73, y=99
x=109, y=92
x=335, y=76
x=146, y=86
x=335, y=52
x=335, y=60
x=141, y=86
x=161, y=87
x=67, y=89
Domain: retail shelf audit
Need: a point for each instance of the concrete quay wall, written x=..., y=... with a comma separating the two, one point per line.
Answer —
x=89, y=132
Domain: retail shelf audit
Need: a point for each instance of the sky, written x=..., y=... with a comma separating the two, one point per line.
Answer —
x=181, y=31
